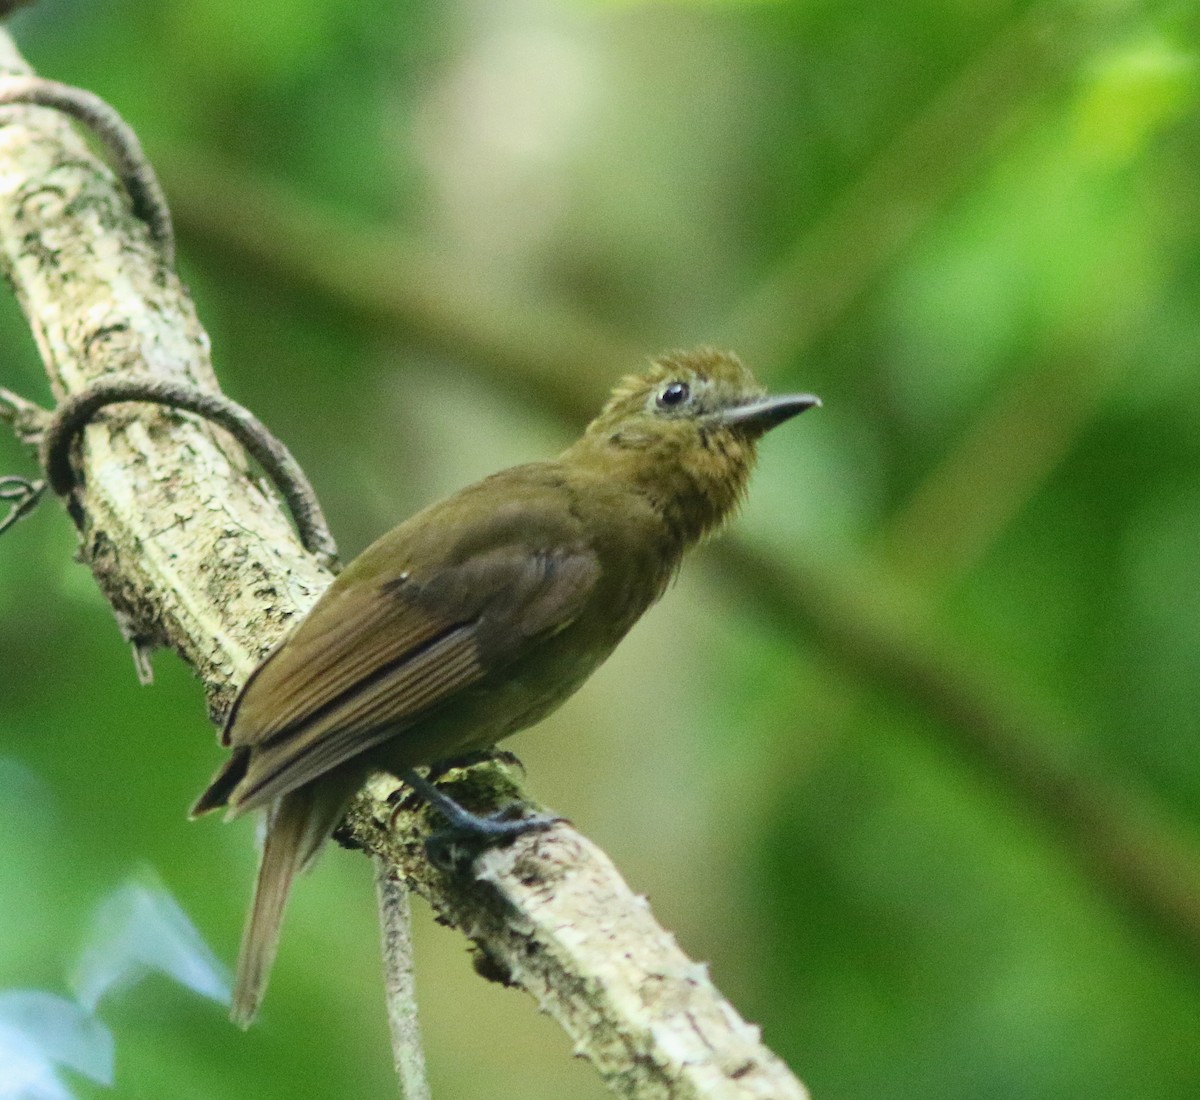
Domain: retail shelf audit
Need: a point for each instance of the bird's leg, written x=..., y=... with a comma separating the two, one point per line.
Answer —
x=470, y=759
x=467, y=828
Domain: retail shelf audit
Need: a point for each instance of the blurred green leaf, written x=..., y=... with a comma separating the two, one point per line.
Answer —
x=249, y=41
x=1132, y=94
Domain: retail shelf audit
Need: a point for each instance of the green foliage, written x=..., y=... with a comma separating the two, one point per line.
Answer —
x=972, y=228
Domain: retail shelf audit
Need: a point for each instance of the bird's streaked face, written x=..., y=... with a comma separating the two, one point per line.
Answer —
x=681, y=388
x=686, y=432
x=689, y=395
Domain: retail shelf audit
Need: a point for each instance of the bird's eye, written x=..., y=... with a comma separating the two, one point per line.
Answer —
x=674, y=393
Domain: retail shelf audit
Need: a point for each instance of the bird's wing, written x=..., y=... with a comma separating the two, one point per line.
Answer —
x=374, y=655
x=347, y=643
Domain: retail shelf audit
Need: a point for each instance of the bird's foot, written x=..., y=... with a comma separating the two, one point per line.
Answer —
x=467, y=833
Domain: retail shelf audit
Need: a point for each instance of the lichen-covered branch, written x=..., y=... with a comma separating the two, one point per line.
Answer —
x=194, y=555
x=186, y=547
x=400, y=981
x=550, y=914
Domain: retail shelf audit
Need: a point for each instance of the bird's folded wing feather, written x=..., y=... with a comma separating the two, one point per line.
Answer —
x=373, y=657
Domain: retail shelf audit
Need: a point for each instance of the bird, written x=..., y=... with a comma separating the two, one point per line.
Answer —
x=479, y=615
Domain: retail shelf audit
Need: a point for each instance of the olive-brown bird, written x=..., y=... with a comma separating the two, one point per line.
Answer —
x=481, y=614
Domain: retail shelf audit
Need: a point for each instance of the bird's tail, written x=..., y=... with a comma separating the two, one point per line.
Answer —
x=297, y=826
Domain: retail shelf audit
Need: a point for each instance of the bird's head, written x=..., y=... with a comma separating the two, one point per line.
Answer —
x=685, y=433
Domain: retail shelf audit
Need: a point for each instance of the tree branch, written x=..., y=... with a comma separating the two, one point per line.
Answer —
x=399, y=982
x=193, y=555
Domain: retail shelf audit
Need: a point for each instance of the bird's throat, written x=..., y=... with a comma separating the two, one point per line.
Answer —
x=694, y=484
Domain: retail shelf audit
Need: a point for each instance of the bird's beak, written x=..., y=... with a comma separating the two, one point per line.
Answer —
x=761, y=416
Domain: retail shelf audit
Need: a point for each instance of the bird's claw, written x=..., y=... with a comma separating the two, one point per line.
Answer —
x=453, y=847
x=467, y=833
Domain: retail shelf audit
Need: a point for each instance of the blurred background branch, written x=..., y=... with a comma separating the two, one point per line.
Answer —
x=887, y=204
x=377, y=277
